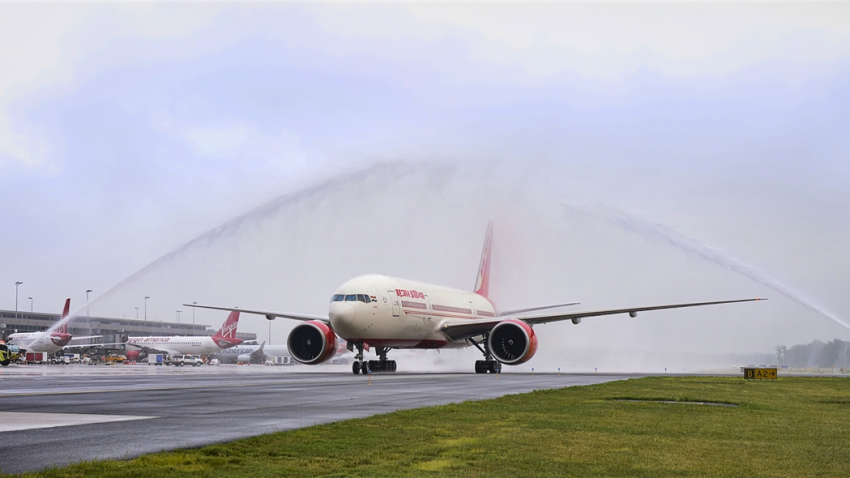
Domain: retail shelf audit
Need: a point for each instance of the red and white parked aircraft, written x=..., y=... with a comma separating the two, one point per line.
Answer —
x=223, y=339
x=50, y=341
x=390, y=313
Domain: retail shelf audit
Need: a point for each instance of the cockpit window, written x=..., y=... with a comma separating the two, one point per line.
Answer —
x=337, y=298
x=350, y=298
x=363, y=298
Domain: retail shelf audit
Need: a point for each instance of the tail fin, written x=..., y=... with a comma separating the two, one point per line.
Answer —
x=63, y=329
x=482, y=284
x=226, y=336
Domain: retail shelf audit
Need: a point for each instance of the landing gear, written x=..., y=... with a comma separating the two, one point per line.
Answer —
x=382, y=365
x=488, y=365
x=374, y=366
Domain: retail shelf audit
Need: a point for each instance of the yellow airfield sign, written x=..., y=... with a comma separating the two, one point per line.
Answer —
x=760, y=373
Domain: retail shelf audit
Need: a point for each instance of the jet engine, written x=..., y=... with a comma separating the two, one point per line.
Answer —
x=135, y=355
x=512, y=342
x=244, y=358
x=312, y=342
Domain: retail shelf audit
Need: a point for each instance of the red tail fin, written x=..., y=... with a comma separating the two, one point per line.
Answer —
x=226, y=336
x=63, y=329
x=482, y=284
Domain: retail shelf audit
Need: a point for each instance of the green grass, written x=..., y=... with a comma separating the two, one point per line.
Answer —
x=791, y=427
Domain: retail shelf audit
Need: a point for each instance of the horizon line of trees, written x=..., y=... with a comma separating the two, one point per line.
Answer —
x=835, y=353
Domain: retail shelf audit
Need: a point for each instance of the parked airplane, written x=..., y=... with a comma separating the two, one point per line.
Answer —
x=257, y=353
x=50, y=342
x=251, y=353
x=223, y=339
x=390, y=313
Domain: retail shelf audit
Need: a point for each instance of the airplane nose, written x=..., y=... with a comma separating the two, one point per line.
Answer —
x=341, y=315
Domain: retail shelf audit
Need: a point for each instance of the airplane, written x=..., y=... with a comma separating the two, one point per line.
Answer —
x=223, y=339
x=254, y=353
x=251, y=353
x=50, y=342
x=391, y=313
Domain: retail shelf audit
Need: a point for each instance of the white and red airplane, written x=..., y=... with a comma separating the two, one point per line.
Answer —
x=223, y=339
x=50, y=341
x=391, y=313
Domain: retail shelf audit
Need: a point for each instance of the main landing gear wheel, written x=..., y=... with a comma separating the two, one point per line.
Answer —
x=355, y=368
x=364, y=367
x=382, y=366
x=488, y=365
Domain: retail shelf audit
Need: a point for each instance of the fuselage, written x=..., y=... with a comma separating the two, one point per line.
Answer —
x=399, y=313
x=50, y=342
x=179, y=345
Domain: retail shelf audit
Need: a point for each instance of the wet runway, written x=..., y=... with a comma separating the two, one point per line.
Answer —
x=148, y=409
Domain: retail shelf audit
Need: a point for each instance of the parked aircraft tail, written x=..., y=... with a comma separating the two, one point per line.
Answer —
x=226, y=336
x=63, y=329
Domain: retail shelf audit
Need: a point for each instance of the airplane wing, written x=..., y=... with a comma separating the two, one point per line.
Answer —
x=269, y=314
x=458, y=330
x=152, y=350
x=86, y=337
x=532, y=309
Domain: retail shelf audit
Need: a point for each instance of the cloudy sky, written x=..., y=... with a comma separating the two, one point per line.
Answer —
x=630, y=153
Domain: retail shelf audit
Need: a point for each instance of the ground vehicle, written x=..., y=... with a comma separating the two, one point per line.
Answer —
x=72, y=358
x=112, y=359
x=277, y=361
x=156, y=359
x=37, y=357
x=214, y=362
x=179, y=360
x=8, y=354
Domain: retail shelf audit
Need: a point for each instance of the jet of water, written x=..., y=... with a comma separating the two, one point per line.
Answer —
x=663, y=233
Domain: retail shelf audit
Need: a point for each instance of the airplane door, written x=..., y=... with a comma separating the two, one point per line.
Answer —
x=395, y=302
x=428, y=305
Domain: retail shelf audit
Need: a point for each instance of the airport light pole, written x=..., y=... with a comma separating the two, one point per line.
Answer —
x=193, y=315
x=16, y=297
x=146, y=310
x=178, y=316
x=137, y=313
x=30, y=298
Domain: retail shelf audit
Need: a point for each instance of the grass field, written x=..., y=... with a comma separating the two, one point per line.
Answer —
x=791, y=427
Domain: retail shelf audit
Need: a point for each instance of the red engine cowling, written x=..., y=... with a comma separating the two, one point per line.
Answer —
x=512, y=342
x=312, y=342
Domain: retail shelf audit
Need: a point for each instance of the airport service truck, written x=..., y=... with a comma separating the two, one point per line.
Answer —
x=37, y=357
x=272, y=360
x=72, y=358
x=156, y=359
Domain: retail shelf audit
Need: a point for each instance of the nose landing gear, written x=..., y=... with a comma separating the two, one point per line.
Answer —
x=488, y=365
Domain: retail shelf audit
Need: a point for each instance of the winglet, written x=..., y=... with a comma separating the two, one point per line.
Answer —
x=63, y=329
x=482, y=284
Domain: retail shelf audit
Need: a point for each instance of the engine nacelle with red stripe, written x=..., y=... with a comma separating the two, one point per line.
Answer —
x=512, y=342
x=312, y=342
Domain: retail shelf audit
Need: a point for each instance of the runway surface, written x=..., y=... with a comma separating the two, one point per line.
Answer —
x=148, y=409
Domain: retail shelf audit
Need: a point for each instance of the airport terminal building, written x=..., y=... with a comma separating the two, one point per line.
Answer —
x=112, y=329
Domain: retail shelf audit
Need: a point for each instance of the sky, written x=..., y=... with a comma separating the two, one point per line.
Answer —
x=260, y=155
